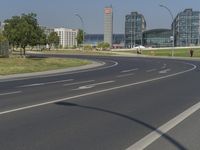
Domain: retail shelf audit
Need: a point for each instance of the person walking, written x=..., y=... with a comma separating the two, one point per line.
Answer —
x=191, y=52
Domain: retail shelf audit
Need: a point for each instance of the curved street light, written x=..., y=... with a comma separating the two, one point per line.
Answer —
x=82, y=23
x=173, y=30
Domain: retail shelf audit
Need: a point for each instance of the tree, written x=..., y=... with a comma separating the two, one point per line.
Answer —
x=38, y=38
x=23, y=30
x=2, y=38
x=10, y=31
x=53, y=39
x=80, y=37
x=4, y=46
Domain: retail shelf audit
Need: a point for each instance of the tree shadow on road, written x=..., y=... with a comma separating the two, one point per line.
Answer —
x=164, y=135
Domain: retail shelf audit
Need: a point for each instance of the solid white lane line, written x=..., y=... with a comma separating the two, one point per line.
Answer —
x=153, y=136
x=31, y=85
x=46, y=83
x=81, y=82
x=93, y=85
x=100, y=91
x=59, y=81
x=10, y=93
x=126, y=71
x=125, y=75
x=151, y=70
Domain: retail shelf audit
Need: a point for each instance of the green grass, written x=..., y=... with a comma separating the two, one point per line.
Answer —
x=79, y=52
x=27, y=65
x=168, y=52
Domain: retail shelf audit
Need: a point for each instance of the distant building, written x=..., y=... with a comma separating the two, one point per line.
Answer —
x=67, y=37
x=187, y=28
x=94, y=39
x=157, y=38
x=108, y=25
x=135, y=25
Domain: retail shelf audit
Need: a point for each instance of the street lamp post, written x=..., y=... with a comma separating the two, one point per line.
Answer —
x=82, y=23
x=173, y=27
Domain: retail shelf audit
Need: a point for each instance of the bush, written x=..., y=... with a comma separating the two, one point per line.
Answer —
x=103, y=46
x=88, y=47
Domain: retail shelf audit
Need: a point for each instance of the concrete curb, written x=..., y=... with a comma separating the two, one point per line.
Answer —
x=52, y=72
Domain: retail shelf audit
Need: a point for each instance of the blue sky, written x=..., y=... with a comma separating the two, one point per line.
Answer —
x=60, y=13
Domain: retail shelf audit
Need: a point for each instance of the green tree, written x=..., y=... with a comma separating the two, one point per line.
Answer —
x=80, y=37
x=10, y=31
x=23, y=30
x=2, y=38
x=53, y=39
x=39, y=38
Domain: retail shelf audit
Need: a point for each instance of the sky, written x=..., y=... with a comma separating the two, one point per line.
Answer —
x=61, y=13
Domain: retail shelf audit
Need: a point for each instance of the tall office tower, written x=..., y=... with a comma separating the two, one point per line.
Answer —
x=187, y=28
x=135, y=25
x=108, y=25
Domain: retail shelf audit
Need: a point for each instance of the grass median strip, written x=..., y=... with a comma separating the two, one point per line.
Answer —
x=27, y=65
x=182, y=52
x=79, y=52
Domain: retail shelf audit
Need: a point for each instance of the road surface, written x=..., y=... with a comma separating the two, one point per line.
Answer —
x=129, y=103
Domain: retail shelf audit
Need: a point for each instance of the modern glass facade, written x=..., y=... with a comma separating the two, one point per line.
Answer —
x=94, y=39
x=157, y=38
x=187, y=28
x=135, y=25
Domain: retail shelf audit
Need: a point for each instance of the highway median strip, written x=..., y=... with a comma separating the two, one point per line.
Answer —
x=15, y=65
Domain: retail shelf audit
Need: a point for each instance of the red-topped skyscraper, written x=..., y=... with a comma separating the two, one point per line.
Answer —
x=108, y=25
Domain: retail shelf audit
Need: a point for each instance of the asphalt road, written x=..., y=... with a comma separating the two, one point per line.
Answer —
x=129, y=103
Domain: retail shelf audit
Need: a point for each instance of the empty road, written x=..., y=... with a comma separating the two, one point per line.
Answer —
x=128, y=103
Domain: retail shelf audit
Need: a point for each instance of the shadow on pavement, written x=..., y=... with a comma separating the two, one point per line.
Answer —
x=167, y=137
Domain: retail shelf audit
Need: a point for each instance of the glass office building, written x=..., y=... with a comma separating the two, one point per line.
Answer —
x=157, y=38
x=187, y=28
x=94, y=39
x=135, y=25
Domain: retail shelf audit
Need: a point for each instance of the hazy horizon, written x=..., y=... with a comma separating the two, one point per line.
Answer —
x=60, y=13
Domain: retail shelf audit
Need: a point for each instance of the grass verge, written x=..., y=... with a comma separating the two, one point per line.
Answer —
x=79, y=52
x=27, y=65
x=168, y=52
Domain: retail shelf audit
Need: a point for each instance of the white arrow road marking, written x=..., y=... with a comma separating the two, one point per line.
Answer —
x=45, y=83
x=164, y=71
x=125, y=71
x=93, y=85
x=10, y=93
x=164, y=66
